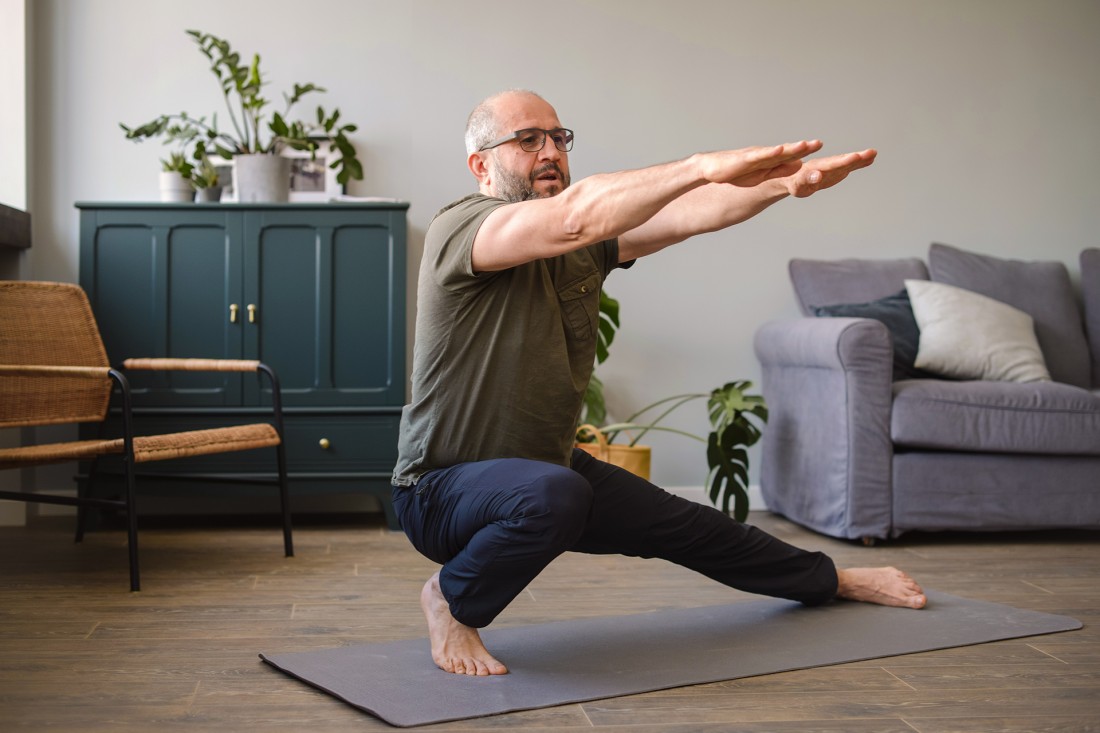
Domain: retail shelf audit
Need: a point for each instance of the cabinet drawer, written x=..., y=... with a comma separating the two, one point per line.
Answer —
x=341, y=443
x=355, y=444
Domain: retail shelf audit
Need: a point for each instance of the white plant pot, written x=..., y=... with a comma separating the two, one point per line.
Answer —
x=262, y=177
x=174, y=187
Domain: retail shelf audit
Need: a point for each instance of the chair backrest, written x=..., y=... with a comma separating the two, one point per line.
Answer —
x=50, y=324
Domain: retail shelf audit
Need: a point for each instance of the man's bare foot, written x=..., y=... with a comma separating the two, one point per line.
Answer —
x=456, y=647
x=884, y=586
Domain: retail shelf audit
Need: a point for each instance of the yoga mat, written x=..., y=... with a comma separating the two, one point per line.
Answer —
x=589, y=659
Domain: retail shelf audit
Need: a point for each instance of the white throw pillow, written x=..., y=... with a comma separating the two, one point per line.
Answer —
x=970, y=336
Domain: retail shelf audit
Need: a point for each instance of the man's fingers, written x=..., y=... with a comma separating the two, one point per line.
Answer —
x=825, y=172
x=751, y=166
x=851, y=161
x=784, y=152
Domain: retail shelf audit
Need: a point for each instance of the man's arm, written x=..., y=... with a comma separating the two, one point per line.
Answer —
x=717, y=206
x=607, y=205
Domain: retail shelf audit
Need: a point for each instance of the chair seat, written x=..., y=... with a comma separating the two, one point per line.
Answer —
x=147, y=448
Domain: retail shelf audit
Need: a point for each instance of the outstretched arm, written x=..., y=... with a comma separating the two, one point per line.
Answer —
x=608, y=205
x=717, y=206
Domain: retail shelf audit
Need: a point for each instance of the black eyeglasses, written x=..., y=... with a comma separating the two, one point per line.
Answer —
x=532, y=139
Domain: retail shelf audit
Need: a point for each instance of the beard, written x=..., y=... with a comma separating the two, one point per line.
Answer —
x=513, y=187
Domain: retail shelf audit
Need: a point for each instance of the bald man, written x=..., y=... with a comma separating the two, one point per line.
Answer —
x=488, y=483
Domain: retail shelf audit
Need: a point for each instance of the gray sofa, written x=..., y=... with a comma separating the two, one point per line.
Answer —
x=863, y=442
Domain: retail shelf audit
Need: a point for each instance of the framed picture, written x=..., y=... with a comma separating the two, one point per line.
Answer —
x=313, y=180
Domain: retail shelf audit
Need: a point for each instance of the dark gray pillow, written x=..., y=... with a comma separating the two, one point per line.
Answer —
x=828, y=282
x=896, y=313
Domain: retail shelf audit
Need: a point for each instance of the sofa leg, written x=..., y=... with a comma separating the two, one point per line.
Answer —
x=868, y=541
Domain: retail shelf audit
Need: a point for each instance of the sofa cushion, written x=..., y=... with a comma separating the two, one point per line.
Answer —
x=1090, y=287
x=996, y=417
x=829, y=282
x=1040, y=289
x=966, y=335
x=895, y=312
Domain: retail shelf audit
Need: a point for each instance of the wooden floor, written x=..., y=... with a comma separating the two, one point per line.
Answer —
x=78, y=651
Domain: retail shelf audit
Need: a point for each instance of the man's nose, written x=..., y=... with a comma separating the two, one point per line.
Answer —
x=549, y=150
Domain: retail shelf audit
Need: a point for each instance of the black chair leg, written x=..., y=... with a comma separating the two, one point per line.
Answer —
x=131, y=528
x=81, y=509
x=284, y=500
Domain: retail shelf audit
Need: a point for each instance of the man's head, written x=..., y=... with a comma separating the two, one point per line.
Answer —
x=506, y=169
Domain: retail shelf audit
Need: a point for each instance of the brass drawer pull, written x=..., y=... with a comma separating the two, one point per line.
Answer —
x=251, y=312
x=233, y=308
x=324, y=443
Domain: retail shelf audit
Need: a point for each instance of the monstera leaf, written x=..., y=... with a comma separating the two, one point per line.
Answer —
x=732, y=434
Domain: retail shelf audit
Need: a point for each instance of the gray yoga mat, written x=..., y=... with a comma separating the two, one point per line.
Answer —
x=589, y=659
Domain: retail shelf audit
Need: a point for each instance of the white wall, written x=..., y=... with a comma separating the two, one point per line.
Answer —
x=985, y=113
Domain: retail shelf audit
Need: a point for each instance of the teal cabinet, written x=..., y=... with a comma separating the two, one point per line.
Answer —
x=315, y=290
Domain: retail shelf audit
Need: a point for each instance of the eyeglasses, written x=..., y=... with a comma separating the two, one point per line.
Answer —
x=533, y=139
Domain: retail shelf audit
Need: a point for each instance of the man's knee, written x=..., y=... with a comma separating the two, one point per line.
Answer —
x=557, y=504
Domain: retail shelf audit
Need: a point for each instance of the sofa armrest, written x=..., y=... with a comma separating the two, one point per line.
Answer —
x=827, y=453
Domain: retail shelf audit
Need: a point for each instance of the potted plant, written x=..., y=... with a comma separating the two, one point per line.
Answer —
x=256, y=140
x=175, y=178
x=733, y=414
x=207, y=183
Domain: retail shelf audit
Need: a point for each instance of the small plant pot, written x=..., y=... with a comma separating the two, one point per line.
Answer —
x=175, y=188
x=262, y=177
x=210, y=194
x=634, y=458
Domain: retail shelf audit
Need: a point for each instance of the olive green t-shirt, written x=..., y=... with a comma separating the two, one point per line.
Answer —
x=501, y=359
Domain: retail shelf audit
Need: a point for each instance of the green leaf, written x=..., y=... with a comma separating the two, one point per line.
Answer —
x=278, y=125
x=593, y=408
x=733, y=432
x=608, y=325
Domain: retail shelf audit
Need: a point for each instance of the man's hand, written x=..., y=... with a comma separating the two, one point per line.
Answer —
x=819, y=174
x=749, y=167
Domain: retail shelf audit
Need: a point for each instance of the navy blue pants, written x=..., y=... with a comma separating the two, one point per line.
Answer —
x=494, y=525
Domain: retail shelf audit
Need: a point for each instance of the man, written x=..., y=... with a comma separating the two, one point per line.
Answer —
x=488, y=483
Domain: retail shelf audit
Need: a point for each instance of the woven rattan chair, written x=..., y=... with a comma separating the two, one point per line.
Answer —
x=54, y=370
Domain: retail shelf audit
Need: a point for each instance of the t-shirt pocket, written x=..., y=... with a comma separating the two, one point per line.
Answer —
x=580, y=305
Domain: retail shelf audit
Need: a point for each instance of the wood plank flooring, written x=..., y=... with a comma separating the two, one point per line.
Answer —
x=78, y=651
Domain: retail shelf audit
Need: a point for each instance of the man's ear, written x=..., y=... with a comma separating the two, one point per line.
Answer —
x=478, y=163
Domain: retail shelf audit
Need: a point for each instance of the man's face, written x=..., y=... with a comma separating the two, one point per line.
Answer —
x=517, y=175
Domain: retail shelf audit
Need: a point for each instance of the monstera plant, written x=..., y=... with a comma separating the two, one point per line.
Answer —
x=736, y=420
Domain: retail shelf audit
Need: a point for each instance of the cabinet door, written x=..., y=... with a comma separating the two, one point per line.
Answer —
x=161, y=283
x=329, y=286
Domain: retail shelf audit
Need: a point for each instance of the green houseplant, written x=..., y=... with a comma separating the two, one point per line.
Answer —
x=735, y=417
x=175, y=178
x=207, y=182
x=254, y=132
x=736, y=420
x=594, y=407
